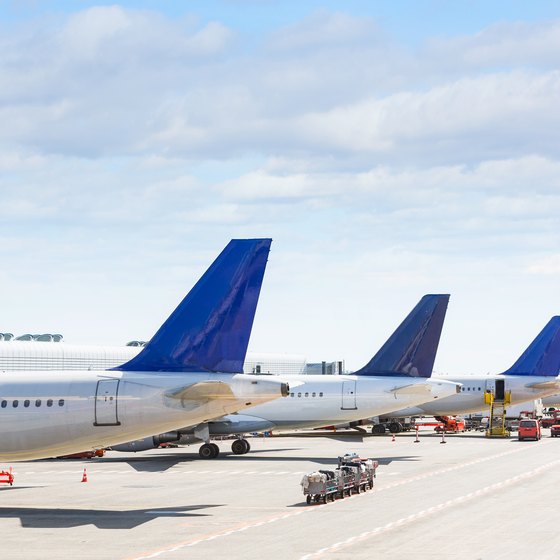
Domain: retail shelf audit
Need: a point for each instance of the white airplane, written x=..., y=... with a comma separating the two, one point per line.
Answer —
x=399, y=374
x=187, y=373
x=534, y=375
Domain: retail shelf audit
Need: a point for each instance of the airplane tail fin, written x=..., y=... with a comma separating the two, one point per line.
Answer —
x=210, y=328
x=411, y=349
x=542, y=357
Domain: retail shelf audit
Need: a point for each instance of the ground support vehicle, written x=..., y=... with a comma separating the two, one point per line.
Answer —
x=353, y=475
x=321, y=486
x=7, y=477
x=364, y=471
x=555, y=430
x=449, y=424
x=549, y=421
x=392, y=425
x=84, y=454
x=529, y=428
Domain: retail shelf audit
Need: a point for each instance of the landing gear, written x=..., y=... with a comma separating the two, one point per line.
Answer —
x=395, y=427
x=240, y=447
x=209, y=451
x=378, y=429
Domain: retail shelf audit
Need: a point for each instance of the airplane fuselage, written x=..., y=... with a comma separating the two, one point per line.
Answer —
x=45, y=415
x=471, y=397
x=316, y=401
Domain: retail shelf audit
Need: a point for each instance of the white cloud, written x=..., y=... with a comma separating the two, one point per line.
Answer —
x=134, y=146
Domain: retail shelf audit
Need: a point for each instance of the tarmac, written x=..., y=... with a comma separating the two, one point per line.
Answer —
x=470, y=498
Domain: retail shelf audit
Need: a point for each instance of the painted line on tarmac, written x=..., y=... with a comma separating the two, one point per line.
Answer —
x=430, y=511
x=255, y=524
x=209, y=538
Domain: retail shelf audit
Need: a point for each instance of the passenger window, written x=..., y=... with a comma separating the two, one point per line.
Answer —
x=15, y=403
x=292, y=394
x=313, y=394
x=38, y=402
x=4, y=404
x=49, y=402
x=321, y=394
x=60, y=402
x=26, y=403
x=299, y=394
x=306, y=394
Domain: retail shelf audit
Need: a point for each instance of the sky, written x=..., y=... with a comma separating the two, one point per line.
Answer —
x=389, y=149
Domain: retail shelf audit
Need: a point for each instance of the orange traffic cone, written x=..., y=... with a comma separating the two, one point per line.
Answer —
x=84, y=476
x=394, y=439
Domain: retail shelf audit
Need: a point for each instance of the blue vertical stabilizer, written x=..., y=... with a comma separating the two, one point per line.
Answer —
x=411, y=349
x=543, y=355
x=210, y=328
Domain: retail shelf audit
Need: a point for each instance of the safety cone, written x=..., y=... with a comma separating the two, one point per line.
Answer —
x=394, y=439
x=417, y=440
x=84, y=476
x=443, y=437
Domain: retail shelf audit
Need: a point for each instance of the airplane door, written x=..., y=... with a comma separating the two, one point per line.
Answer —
x=349, y=395
x=500, y=392
x=106, y=412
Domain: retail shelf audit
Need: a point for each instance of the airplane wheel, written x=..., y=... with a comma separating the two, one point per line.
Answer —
x=308, y=499
x=239, y=447
x=216, y=450
x=395, y=427
x=247, y=446
x=378, y=429
x=207, y=451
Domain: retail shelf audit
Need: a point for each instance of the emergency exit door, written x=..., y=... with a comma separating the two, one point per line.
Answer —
x=106, y=406
x=349, y=395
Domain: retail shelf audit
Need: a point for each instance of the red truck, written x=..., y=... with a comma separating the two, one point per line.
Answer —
x=529, y=428
x=549, y=421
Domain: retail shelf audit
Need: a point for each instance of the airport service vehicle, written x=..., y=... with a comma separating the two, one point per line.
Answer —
x=449, y=424
x=533, y=376
x=352, y=476
x=555, y=430
x=398, y=373
x=550, y=420
x=186, y=374
x=529, y=428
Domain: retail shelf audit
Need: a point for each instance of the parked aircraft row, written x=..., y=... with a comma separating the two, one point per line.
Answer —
x=184, y=384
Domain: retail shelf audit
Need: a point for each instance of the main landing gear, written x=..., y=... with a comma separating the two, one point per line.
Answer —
x=240, y=447
x=209, y=451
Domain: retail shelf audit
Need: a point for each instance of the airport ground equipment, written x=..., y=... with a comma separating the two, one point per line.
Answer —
x=393, y=425
x=555, y=430
x=322, y=486
x=449, y=424
x=549, y=421
x=364, y=470
x=353, y=475
x=7, y=477
x=498, y=401
x=529, y=428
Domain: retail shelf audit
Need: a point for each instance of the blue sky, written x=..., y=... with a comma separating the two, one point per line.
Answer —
x=390, y=149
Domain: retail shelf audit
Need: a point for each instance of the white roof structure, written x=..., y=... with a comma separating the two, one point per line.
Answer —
x=30, y=355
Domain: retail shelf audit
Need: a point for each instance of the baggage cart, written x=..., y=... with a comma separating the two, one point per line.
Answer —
x=364, y=470
x=321, y=486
